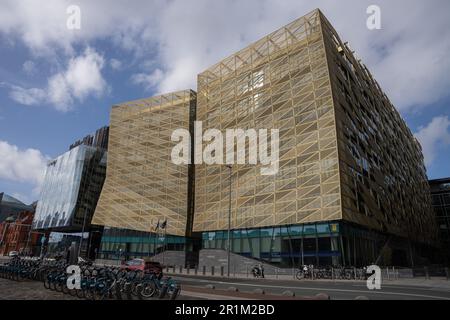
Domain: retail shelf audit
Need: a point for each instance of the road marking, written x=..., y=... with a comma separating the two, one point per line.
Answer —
x=325, y=289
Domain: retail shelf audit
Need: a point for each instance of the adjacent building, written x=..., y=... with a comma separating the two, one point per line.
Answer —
x=351, y=187
x=70, y=191
x=440, y=195
x=11, y=207
x=146, y=203
x=15, y=227
x=71, y=188
x=16, y=235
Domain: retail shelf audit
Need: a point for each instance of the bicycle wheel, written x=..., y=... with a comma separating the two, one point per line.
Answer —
x=47, y=282
x=146, y=290
x=174, y=293
x=300, y=275
x=163, y=291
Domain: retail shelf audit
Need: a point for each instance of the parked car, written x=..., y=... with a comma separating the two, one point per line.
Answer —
x=141, y=264
x=13, y=254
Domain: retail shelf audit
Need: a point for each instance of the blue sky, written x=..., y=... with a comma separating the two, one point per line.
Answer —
x=57, y=85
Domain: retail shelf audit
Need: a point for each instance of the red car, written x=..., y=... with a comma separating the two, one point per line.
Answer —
x=141, y=264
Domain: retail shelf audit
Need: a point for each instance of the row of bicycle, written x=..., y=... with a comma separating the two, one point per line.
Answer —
x=93, y=283
x=334, y=273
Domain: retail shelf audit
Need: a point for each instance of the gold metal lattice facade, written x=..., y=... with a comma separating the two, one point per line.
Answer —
x=279, y=82
x=304, y=81
x=142, y=184
x=383, y=178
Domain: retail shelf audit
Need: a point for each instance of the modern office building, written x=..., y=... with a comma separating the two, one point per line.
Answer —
x=146, y=203
x=351, y=187
x=71, y=188
x=440, y=195
x=70, y=191
x=99, y=139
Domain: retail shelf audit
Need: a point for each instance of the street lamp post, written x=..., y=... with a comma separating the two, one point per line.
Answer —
x=82, y=232
x=229, y=223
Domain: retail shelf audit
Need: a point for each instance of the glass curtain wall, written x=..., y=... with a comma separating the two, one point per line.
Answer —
x=129, y=244
x=285, y=246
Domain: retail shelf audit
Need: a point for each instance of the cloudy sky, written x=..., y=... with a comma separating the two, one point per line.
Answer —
x=57, y=84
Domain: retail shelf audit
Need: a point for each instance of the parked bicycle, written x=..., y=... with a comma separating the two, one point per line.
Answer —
x=95, y=283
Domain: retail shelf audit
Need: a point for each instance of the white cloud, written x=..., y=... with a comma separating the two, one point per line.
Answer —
x=22, y=165
x=27, y=97
x=148, y=81
x=408, y=56
x=115, y=64
x=81, y=78
x=29, y=67
x=434, y=137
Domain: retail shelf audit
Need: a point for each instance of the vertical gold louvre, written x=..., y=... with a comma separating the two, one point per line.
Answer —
x=279, y=82
x=142, y=184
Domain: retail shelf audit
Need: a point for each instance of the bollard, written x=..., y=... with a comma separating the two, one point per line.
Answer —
x=427, y=274
x=196, y=270
x=387, y=272
x=332, y=274
x=212, y=270
x=173, y=269
x=188, y=270
x=288, y=293
x=167, y=269
x=221, y=270
x=204, y=270
x=259, y=291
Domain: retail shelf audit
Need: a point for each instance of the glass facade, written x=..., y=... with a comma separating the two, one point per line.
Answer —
x=71, y=188
x=285, y=246
x=120, y=244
